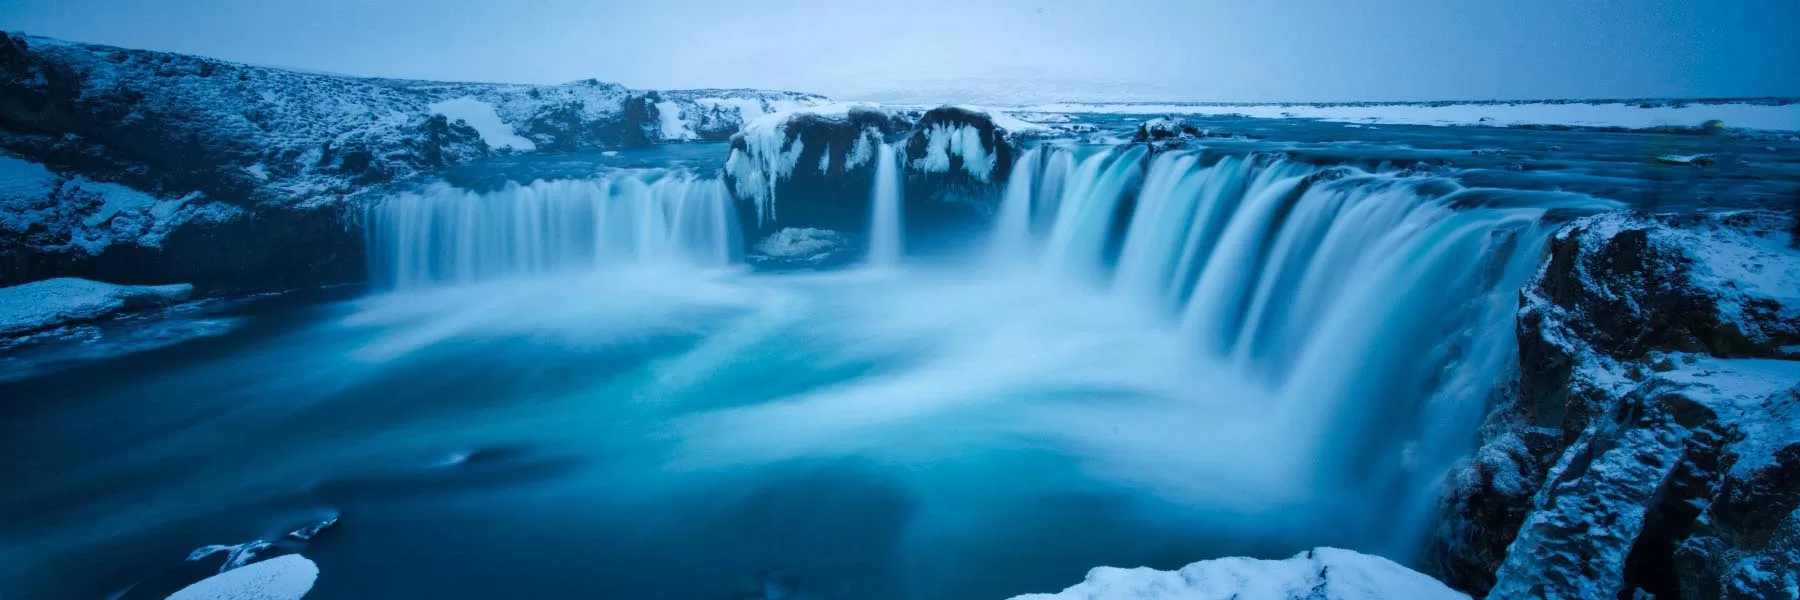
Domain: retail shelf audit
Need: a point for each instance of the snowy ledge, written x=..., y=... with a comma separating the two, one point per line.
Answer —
x=1320, y=574
x=287, y=577
x=52, y=303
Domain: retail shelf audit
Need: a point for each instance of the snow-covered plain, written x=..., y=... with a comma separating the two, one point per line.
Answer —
x=1320, y=574
x=1622, y=115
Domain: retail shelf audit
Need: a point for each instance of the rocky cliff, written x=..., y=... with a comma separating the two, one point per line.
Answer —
x=124, y=164
x=1652, y=442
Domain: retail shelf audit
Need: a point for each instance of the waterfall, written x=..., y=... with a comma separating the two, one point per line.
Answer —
x=886, y=235
x=448, y=235
x=1012, y=229
x=1375, y=309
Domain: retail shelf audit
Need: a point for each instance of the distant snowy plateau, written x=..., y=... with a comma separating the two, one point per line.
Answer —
x=1654, y=432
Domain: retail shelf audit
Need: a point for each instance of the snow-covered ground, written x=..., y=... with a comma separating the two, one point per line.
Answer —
x=1623, y=115
x=482, y=117
x=287, y=577
x=53, y=302
x=1321, y=574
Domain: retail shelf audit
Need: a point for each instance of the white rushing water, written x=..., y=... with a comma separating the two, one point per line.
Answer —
x=886, y=240
x=1159, y=358
x=447, y=235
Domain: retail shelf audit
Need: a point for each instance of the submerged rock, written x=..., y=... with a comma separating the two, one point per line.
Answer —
x=1651, y=441
x=287, y=577
x=54, y=303
x=803, y=248
x=1321, y=574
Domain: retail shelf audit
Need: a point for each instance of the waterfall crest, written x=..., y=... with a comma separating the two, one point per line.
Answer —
x=1374, y=309
x=447, y=235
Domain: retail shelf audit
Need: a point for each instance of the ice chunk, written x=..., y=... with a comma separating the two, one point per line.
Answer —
x=1321, y=574
x=486, y=122
x=287, y=577
x=53, y=302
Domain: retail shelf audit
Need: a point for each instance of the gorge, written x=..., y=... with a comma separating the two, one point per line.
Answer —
x=487, y=340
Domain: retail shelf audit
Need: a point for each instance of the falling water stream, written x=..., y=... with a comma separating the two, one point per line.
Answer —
x=572, y=386
x=885, y=238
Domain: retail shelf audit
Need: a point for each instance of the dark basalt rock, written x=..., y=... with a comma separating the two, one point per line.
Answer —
x=944, y=194
x=832, y=177
x=1601, y=471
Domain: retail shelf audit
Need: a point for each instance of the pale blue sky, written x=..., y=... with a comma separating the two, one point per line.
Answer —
x=1247, y=50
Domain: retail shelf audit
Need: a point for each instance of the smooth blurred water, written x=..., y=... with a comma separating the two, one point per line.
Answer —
x=568, y=389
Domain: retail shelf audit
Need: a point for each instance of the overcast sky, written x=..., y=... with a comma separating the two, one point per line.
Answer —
x=1242, y=50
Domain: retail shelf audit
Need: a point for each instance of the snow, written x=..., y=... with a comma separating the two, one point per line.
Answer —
x=24, y=178
x=1757, y=396
x=1777, y=117
x=1321, y=574
x=486, y=122
x=1009, y=122
x=287, y=577
x=116, y=198
x=668, y=114
x=54, y=302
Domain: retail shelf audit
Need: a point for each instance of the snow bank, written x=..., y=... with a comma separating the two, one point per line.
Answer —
x=54, y=302
x=1321, y=574
x=287, y=577
x=1785, y=117
x=486, y=122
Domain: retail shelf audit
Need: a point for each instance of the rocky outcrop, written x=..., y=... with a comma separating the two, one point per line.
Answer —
x=138, y=159
x=814, y=169
x=1651, y=441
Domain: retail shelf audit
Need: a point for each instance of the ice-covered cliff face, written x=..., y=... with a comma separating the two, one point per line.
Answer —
x=1652, y=443
x=814, y=168
x=111, y=153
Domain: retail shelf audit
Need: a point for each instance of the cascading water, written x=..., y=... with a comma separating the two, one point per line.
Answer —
x=886, y=237
x=1374, y=316
x=447, y=235
x=1189, y=356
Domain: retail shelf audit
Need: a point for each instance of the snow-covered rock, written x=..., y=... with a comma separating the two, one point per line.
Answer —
x=812, y=168
x=801, y=248
x=1651, y=442
x=127, y=164
x=53, y=303
x=1321, y=574
x=287, y=577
